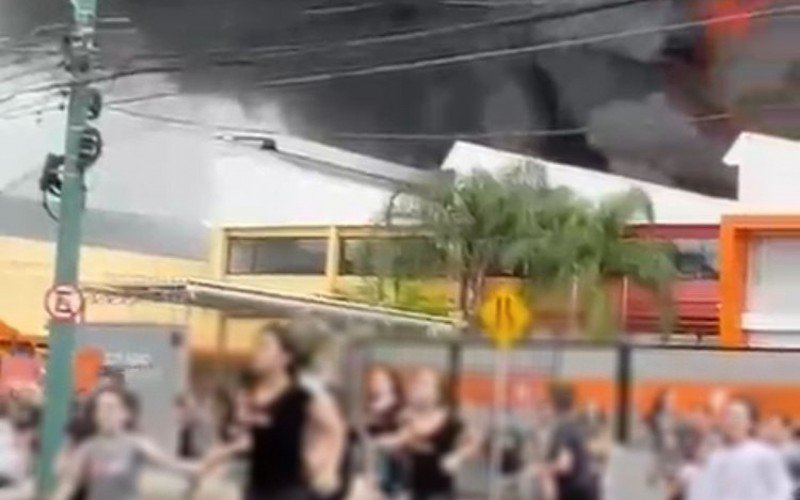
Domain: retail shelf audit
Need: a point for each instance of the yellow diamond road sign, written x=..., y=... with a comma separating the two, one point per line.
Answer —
x=505, y=316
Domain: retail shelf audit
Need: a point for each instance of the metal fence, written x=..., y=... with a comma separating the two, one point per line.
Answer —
x=621, y=379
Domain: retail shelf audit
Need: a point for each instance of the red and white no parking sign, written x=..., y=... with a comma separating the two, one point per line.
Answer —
x=64, y=303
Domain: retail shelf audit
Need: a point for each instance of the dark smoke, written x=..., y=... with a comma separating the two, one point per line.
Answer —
x=636, y=97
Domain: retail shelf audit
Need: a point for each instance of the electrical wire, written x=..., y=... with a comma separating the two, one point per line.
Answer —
x=34, y=90
x=340, y=135
x=463, y=58
x=40, y=105
x=777, y=13
x=493, y=4
x=39, y=70
x=326, y=10
x=244, y=133
x=275, y=51
x=52, y=29
x=524, y=50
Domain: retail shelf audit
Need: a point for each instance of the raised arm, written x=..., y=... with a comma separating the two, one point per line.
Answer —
x=158, y=457
x=225, y=452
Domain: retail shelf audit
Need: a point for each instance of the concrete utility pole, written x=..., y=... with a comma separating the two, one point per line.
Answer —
x=83, y=105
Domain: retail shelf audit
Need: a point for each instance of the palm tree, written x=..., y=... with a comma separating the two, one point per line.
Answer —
x=550, y=238
x=611, y=253
x=581, y=247
x=469, y=225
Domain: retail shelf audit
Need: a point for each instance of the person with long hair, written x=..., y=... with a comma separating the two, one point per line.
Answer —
x=434, y=439
x=385, y=403
x=293, y=438
x=109, y=462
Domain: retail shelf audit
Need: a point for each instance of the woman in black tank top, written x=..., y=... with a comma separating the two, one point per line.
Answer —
x=434, y=440
x=279, y=415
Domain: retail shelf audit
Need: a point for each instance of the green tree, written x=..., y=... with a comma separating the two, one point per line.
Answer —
x=554, y=240
x=469, y=225
x=579, y=247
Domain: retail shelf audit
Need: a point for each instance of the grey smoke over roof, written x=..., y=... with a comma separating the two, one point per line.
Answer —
x=609, y=83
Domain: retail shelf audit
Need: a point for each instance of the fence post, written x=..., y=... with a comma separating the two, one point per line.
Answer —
x=623, y=393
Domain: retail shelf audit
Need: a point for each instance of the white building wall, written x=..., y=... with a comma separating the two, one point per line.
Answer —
x=259, y=188
x=772, y=301
x=769, y=176
x=769, y=172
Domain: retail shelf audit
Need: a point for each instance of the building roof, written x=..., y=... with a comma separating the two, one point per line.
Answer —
x=331, y=160
x=23, y=218
x=672, y=205
x=177, y=234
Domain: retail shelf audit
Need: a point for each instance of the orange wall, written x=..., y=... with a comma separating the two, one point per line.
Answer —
x=736, y=232
x=783, y=399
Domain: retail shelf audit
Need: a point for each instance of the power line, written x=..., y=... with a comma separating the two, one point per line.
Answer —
x=274, y=51
x=461, y=58
x=254, y=133
x=38, y=106
x=38, y=70
x=516, y=51
x=425, y=63
x=493, y=4
x=50, y=30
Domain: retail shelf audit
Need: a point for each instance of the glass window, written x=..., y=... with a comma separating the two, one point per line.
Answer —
x=278, y=256
x=697, y=259
x=406, y=255
x=241, y=256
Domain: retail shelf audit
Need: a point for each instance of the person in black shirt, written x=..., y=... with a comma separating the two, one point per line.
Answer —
x=434, y=439
x=568, y=458
x=294, y=439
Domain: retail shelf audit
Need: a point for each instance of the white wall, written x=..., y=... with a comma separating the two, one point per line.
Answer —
x=769, y=171
x=157, y=168
x=256, y=187
x=772, y=301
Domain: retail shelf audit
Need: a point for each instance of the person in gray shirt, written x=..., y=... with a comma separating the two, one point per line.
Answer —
x=109, y=462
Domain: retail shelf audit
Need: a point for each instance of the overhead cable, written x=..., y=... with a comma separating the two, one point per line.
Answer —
x=432, y=62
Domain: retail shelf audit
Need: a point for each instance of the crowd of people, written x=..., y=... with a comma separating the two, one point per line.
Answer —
x=724, y=451
x=287, y=426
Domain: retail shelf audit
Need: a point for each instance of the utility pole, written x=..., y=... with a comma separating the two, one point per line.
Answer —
x=80, y=53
